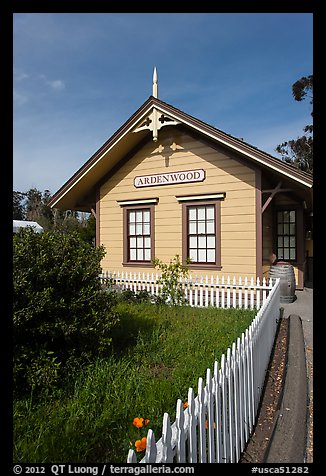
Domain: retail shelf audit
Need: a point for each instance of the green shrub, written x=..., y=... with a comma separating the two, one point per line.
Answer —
x=60, y=312
x=171, y=274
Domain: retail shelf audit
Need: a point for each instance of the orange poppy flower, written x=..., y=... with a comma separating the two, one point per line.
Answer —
x=141, y=444
x=185, y=404
x=206, y=424
x=147, y=421
x=138, y=422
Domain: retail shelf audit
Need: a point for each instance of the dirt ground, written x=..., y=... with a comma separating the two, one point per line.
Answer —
x=258, y=444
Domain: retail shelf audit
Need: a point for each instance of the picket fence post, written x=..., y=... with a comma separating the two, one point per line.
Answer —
x=181, y=442
x=192, y=435
x=201, y=419
x=166, y=440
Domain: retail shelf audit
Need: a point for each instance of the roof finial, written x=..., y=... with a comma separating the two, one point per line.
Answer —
x=155, y=83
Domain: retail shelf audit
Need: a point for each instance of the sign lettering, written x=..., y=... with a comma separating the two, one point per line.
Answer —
x=169, y=178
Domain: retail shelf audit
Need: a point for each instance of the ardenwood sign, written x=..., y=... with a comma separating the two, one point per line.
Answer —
x=170, y=178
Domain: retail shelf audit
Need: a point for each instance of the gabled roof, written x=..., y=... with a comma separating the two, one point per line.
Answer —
x=79, y=191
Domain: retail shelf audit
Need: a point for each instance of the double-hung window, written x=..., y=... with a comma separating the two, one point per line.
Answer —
x=138, y=232
x=202, y=233
x=201, y=239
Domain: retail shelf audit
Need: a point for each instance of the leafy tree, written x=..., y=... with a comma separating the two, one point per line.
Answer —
x=33, y=205
x=60, y=312
x=300, y=151
x=87, y=230
x=18, y=206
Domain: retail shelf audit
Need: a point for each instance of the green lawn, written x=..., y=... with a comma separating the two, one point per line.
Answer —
x=158, y=353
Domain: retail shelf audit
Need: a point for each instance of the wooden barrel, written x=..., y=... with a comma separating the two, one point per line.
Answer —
x=285, y=272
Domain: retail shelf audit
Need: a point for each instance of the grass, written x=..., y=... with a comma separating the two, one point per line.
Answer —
x=157, y=354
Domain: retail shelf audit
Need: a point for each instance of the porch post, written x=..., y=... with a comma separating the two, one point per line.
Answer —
x=300, y=247
x=259, y=227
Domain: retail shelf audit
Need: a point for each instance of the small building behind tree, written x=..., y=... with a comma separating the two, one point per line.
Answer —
x=19, y=224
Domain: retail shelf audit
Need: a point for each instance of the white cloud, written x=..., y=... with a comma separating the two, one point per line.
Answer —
x=57, y=85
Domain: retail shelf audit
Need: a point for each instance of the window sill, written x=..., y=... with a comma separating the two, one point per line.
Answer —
x=205, y=266
x=139, y=264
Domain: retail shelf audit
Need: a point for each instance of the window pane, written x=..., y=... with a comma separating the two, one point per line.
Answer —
x=211, y=256
x=193, y=255
x=280, y=229
x=286, y=229
x=202, y=242
x=292, y=229
x=292, y=253
x=132, y=242
x=140, y=254
x=279, y=217
x=280, y=241
x=147, y=242
x=133, y=254
x=146, y=229
x=201, y=214
x=140, y=242
x=292, y=216
x=280, y=254
x=286, y=254
x=211, y=242
x=139, y=229
x=202, y=256
x=146, y=216
x=210, y=227
x=210, y=213
x=132, y=217
x=286, y=241
x=131, y=229
x=292, y=241
x=193, y=242
x=192, y=228
x=147, y=255
x=201, y=227
x=139, y=216
x=286, y=216
x=192, y=213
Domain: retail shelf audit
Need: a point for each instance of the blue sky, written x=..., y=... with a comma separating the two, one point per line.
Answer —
x=79, y=76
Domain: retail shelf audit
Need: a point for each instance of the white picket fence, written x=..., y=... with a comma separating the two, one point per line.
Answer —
x=218, y=422
x=198, y=291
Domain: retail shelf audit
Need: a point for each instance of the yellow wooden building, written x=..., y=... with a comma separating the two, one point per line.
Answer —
x=167, y=183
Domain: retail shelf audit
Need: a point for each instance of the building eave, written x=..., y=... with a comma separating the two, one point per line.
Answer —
x=123, y=140
x=239, y=145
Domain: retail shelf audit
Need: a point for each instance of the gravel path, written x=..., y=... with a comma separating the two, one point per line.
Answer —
x=303, y=307
x=258, y=444
x=256, y=448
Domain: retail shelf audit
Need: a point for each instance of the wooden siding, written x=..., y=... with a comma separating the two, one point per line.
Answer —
x=223, y=174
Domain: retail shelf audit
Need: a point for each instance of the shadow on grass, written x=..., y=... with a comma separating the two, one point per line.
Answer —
x=126, y=332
